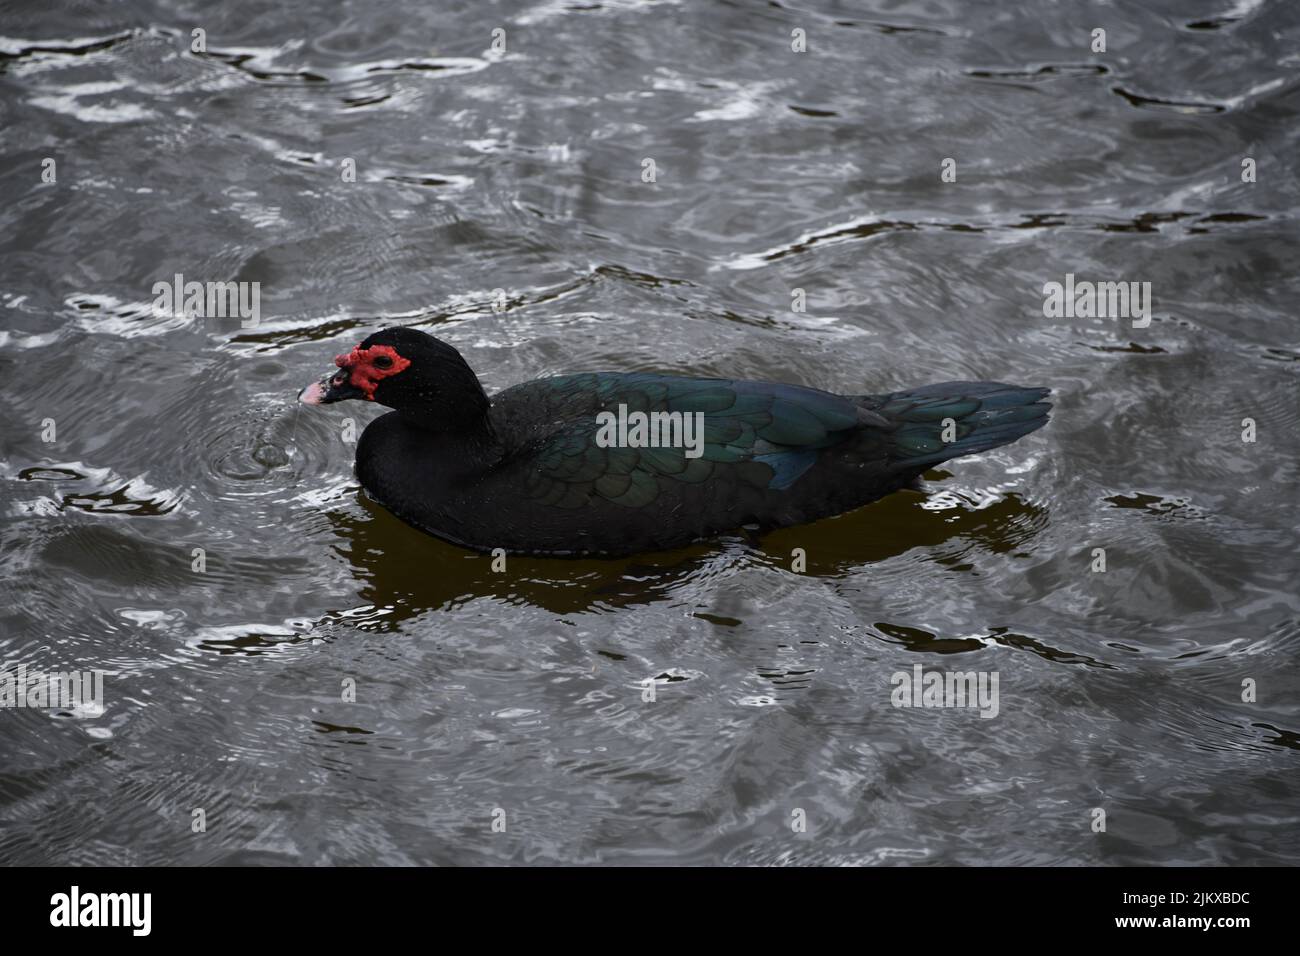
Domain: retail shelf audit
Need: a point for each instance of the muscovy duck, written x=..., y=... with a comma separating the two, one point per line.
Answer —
x=615, y=463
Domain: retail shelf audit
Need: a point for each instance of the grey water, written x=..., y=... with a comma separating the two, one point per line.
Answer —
x=920, y=169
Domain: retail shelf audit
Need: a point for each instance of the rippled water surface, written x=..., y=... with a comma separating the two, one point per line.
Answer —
x=521, y=170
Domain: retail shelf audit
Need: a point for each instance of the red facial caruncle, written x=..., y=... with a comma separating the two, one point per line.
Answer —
x=366, y=368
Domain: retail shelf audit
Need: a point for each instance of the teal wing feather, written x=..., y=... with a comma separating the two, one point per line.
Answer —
x=754, y=434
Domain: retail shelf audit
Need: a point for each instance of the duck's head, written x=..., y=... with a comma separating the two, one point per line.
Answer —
x=405, y=369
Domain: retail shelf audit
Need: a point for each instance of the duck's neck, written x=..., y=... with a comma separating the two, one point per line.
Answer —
x=468, y=437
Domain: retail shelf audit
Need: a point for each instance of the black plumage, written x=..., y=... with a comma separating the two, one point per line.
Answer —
x=540, y=468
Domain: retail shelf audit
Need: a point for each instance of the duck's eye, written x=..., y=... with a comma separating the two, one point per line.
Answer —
x=383, y=361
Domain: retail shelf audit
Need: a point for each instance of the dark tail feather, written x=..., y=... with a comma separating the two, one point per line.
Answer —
x=985, y=415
